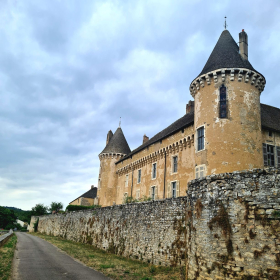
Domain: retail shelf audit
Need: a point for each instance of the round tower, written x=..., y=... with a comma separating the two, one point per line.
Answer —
x=116, y=148
x=227, y=109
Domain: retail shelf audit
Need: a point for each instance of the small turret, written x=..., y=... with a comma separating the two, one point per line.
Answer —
x=116, y=148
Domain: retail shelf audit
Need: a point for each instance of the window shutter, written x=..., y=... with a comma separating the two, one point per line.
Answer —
x=156, y=193
x=177, y=189
x=150, y=195
x=278, y=156
x=265, y=158
x=168, y=190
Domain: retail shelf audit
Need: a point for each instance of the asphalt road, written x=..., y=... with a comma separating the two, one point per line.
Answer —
x=36, y=259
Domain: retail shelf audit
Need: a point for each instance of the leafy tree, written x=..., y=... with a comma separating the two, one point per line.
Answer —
x=7, y=218
x=56, y=206
x=39, y=209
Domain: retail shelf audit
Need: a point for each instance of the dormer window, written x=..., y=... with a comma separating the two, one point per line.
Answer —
x=223, y=102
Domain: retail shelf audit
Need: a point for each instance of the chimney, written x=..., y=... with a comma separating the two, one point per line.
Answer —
x=109, y=136
x=145, y=138
x=190, y=107
x=243, y=44
x=91, y=187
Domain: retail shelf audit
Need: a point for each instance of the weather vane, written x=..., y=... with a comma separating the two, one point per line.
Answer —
x=120, y=121
x=225, y=23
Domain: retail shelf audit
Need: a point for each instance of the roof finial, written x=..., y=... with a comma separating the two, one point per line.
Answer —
x=225, y=23
x=120, y=121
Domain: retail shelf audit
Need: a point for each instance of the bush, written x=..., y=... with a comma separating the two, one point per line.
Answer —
x=80, y=207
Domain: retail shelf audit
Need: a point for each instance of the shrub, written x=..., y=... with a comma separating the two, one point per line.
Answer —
x=80, y=207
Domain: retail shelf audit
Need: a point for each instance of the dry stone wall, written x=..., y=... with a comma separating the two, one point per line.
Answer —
x=154, y=232
x=233, y=226
x=227, y=227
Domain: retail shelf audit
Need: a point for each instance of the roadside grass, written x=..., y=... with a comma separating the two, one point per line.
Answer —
x=6, y=258
x=111, y=265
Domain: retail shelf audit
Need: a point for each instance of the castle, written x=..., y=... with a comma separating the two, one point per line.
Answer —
x=225, y=129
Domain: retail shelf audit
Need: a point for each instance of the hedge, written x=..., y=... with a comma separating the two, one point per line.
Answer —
x=80, y=207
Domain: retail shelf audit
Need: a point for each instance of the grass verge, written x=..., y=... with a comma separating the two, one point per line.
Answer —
x=113, y=266
x=6, y=258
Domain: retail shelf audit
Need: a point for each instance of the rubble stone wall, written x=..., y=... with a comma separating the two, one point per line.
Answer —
x=227, y=227
x=234, y=226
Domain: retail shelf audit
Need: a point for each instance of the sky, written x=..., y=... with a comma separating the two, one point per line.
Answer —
x=70, y=69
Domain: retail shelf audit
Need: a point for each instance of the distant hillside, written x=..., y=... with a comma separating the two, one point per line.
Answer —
x=21, y=214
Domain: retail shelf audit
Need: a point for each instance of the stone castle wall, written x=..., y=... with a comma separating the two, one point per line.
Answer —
x=228, y=226
x=150, y=231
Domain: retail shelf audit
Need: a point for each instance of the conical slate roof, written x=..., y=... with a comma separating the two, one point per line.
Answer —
x=117, y=144
x=225, y=55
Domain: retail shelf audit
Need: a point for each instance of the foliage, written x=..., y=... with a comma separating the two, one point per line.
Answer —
x=80, y=207
x=6, y=258
x=7, y=218
x=111, y=265
x=56, y=206
x=39, y=210
x=21, y=214
x=130, y=199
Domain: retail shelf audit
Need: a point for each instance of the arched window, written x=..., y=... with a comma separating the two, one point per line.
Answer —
x=223, y=102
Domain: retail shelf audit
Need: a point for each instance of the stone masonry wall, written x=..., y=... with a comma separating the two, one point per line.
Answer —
x=150, y=231
x=234, y=226
x=227, y=227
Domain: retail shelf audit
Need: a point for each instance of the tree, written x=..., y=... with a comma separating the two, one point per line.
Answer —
x=56, y=206
x=7, y=218
x=39, y=209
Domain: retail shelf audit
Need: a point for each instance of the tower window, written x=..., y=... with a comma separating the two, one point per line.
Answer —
x=175, y=164
x=223, y=102
x=154, y=171
x=200, y=139
x=139, y=176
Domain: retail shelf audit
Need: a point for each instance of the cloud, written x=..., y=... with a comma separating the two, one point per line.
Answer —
x=69, y=70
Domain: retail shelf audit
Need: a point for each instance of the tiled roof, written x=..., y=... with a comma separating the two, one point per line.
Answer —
x=117, y=144
x=270, y=117
x=225, y=55
x=92, y=193
x=181, y=123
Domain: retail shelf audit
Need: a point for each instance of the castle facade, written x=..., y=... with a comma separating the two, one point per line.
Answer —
x=225, y=129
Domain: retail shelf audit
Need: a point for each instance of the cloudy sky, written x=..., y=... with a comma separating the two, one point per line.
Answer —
x=69, y=69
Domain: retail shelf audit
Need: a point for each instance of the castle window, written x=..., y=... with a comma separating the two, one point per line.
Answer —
x=175, y=164
x=173, y=189
x=153, y=192
x=269, y=156
x=199, y=171
x=270, y=133
x=126, y=180
x=200, y=138
x=154, y=171
x=223, y=102
x=139, y=176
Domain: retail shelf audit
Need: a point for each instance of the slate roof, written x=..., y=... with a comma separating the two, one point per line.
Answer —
x=117, y=144
x=270, y=119
x=92, y=193
x=225, y=55
x=181, y=123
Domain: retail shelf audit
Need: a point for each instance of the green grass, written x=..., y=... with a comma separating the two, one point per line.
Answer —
x=111, y=265
x=6, y=258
